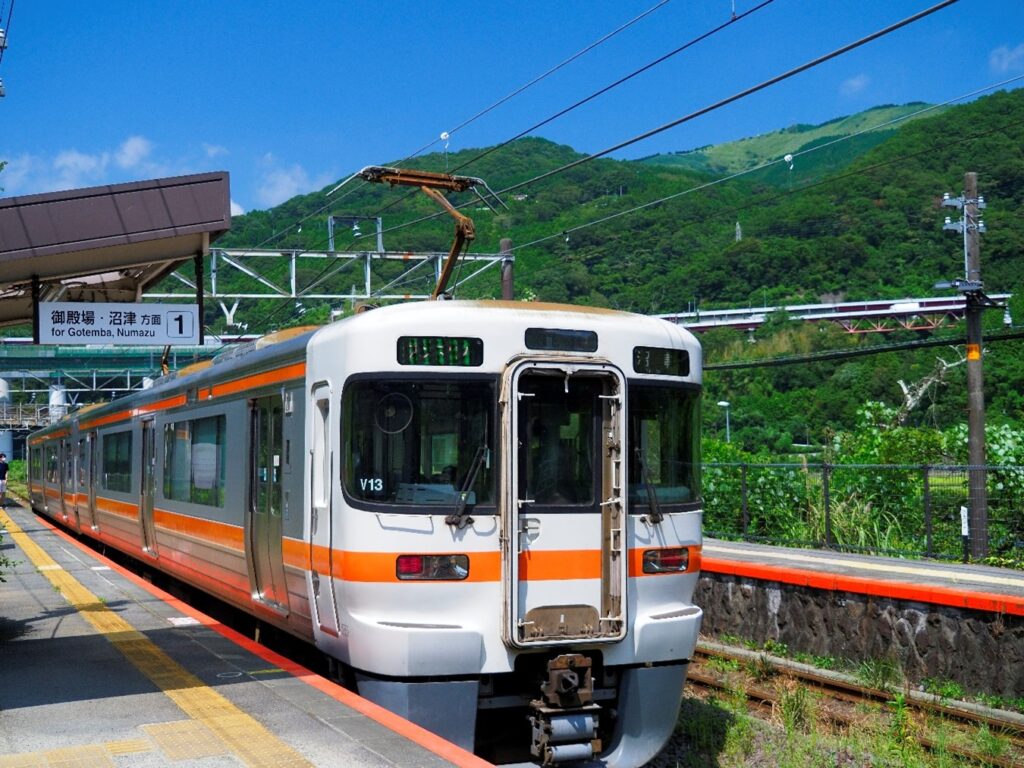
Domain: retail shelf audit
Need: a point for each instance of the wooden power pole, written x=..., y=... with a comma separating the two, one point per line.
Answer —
x=971, y=286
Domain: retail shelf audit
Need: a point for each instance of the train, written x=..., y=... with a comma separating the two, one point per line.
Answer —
x=486, y=514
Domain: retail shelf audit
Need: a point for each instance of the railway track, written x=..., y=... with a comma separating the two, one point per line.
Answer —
x=842, y=694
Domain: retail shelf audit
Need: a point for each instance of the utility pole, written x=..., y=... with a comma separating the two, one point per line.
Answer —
x=976, y=302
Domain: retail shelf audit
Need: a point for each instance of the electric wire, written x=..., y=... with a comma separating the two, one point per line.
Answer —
x=600, y=92
x=768, y=164
x=874, y=349
x=7, y=27
x=785, y=193
x=620, y=81
x=735, y=97
x=539, y=78
x=712, y=107
x=741, y=94
x=463, y=124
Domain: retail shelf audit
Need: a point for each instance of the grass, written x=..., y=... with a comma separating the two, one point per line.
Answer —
x=944, y=689
x=881, y=674
x=717, y=730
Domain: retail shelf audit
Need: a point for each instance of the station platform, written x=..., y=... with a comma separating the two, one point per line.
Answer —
x=100, y=668
x=977, y=587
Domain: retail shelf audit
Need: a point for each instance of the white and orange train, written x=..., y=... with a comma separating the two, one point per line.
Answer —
x=486, y=514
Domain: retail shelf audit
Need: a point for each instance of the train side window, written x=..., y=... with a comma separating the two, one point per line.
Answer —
x=36, y=463
x=321, y=459
x=52, y=464
x=117, y=461
x=195, y=460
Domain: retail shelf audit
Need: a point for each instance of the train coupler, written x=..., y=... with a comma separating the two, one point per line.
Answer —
x=565, y=721
x=561, y=736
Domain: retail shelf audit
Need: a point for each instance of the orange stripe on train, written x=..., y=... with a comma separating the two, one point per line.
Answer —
x=222, y=534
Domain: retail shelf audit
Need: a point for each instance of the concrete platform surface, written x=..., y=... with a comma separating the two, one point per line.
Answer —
x=99, y=668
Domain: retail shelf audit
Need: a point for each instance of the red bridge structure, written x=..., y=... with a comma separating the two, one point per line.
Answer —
x=876, y=316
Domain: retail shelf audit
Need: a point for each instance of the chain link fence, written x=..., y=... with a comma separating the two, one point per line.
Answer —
x=913, y=510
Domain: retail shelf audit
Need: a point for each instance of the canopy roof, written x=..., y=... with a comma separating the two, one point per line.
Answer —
x=105, y=243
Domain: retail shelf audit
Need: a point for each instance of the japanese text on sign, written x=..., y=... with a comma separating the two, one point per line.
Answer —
x=123, y=324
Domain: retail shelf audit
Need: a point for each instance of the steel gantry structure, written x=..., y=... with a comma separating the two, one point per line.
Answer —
x=278, y=274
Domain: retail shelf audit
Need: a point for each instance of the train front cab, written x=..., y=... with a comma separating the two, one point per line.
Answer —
x=578, y=564
x=581, y=540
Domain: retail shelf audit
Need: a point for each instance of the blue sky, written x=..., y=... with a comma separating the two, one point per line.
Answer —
x=291, y=96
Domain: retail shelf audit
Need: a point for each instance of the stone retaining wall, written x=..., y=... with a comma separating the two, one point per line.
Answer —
x=983, y=652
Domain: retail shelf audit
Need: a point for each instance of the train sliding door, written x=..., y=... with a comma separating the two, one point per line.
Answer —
x=147, y=488
x=86, y=491
x=565, y=514
x=266, y=566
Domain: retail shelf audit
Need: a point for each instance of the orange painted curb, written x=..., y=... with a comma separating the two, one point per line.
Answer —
x=990, y=602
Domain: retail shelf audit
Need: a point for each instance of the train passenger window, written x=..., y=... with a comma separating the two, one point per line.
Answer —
x=83, y=464
x=36, y=463
x=664, y=435
x=117, y=461
x=419, y=443
x=52, y=464
x=195, y=454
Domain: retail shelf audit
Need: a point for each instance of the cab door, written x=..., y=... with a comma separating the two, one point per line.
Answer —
x=565, y=555
x=321, y=490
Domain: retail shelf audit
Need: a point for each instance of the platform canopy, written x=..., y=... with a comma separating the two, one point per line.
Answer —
x=105, y=244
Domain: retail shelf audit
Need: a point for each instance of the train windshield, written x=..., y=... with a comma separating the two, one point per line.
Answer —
x=664, y=446
x=419, y=444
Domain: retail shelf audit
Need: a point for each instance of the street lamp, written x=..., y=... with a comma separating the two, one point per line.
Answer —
x=725, y=404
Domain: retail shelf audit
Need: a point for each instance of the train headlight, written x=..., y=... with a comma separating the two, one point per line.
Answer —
x=432, y=567
x=672, y=560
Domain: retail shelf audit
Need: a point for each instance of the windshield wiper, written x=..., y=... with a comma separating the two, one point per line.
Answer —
x=656, y=515
x=460, y=518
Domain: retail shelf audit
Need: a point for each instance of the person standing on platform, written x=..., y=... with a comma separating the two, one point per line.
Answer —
x=4, y=466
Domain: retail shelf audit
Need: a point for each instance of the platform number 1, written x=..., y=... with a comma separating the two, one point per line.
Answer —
x=179, y=325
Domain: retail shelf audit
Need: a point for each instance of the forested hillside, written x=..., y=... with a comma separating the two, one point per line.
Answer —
x=871, y=229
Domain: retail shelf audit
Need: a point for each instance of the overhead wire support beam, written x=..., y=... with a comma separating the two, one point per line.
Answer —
x=236, y=258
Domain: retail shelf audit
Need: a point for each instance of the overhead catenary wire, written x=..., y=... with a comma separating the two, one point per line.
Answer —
x=735, y=97
x=810, y=150
x=600, y=92
x=660, y=60
x=769, y=163
x=6, y=27
x=716, y=105
x=603, y=39
x=841, y=354
x=543, y=76
x=785, y=193
x=741, y=94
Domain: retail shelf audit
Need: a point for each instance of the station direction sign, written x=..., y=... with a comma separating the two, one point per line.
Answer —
x=76, y=322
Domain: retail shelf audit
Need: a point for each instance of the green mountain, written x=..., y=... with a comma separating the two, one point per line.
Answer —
x=858, y=133
x=871, y=230
x=653, y=237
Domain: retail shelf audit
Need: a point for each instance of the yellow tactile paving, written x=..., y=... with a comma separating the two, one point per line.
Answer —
x=245, y=736
x=185, y=739
x=128, y=746
x=93, y=756
x=26, y=760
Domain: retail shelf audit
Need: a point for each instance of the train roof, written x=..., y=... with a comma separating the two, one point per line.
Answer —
x=292, y=342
